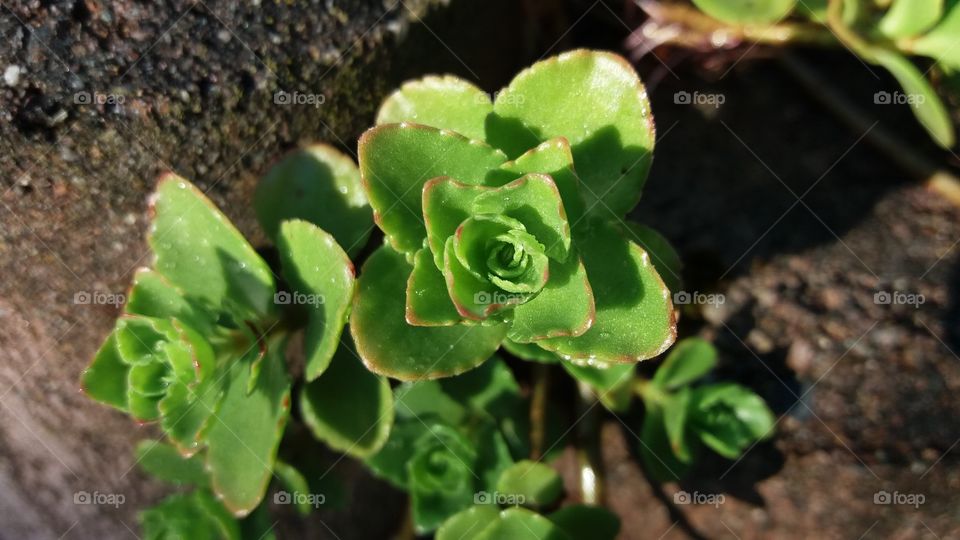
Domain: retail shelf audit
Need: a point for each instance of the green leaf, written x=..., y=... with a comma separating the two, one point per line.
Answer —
x=940, y=43
x=689, y=360
x=582, y=522
x=530, y=352
x=554, y=159
x=389, y=346
x=390, y=463
x=320, y=273
x=189, y=515
x=564, y=307
x=612, y=383
x=923, y=99
x=665, y=259
x=655, y=449
x=596, y=101
x=106, y=378
x=164, y=462
x=446, y=204
x=428, y=302
x=349, y=408
x=292, y=481
x=634, y=314
x=243, y=436
x=729, y=418
x=493, y=454
x=153, y=296
x=441, y=476
x=906, y=18
x=199, y=251
x=444, y=102
x=675, y=411
x=466, y=525
x=320, y=185
x=531, y=483
x=427, y=398
x=747, y=11
x=522, y=524
x=396, y=160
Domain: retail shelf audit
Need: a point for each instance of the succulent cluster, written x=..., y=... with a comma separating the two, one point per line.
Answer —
x=504, y=227
x=504, y=218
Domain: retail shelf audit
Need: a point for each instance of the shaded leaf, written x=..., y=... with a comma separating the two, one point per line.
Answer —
x=634, y=314
x=664, y=258
x=199, y=251
x=443, y=102
x=106, y=378
x=689, y=360
x=320, y=273
x=612, y=383
x=389, y=346
x=292, y=481
x=349, y=408
x=165, y=463
x=530, y=351
x=582, y=522
x=596, y=101
x=532, y=483
x=655, y=449
x=467, y=524
x=675, y=413
x=189, y=515
x=923, y=99
x=320, y=185
x=729, y=418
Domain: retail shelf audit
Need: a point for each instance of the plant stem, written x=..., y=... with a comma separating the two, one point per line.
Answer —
x=406, y=531
x=538, y=409
x=589, y=458
x=912, y=162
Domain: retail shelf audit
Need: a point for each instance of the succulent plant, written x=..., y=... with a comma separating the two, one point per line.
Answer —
x=504, y=218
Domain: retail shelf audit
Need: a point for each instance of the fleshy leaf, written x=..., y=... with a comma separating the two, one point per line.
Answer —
x=321, y=185
x=443, y=102
x=729, y=417
x=906, y=18
x=428, y=303
x=688, y=361
x=292, y=481
x=153, y=296
x=389, y=346
x=189, y=515
x=532, y=483
x=396, y=160
x=165, y=462
x=198, y=250
x=926, y=104
x=441, y=476
x=244, y=434
x=655, y=449
x=106, y=378
x=663, y=256
x=747, y=11
x=597, y=102
x=676, y=407
x=467, y=524
x=554, y=159
x=530, y=352
x=522, y=524
x=321, y=274
x=940, y=43
x=634, y=314
x=390, y=463
x=564, y=307
x=582, y=522
x=611, y=383
x=446, y=204
x=349, y=408
x=427, y=398
x=534, y=201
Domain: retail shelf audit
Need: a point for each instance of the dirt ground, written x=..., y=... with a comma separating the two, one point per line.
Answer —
x=867, y=393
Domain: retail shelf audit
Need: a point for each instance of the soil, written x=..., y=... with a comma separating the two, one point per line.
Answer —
x=866, y=392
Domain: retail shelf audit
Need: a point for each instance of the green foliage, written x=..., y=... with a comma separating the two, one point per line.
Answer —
x=679, y=416
x=747, y=11
x=493, y=230
x=532, y=483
